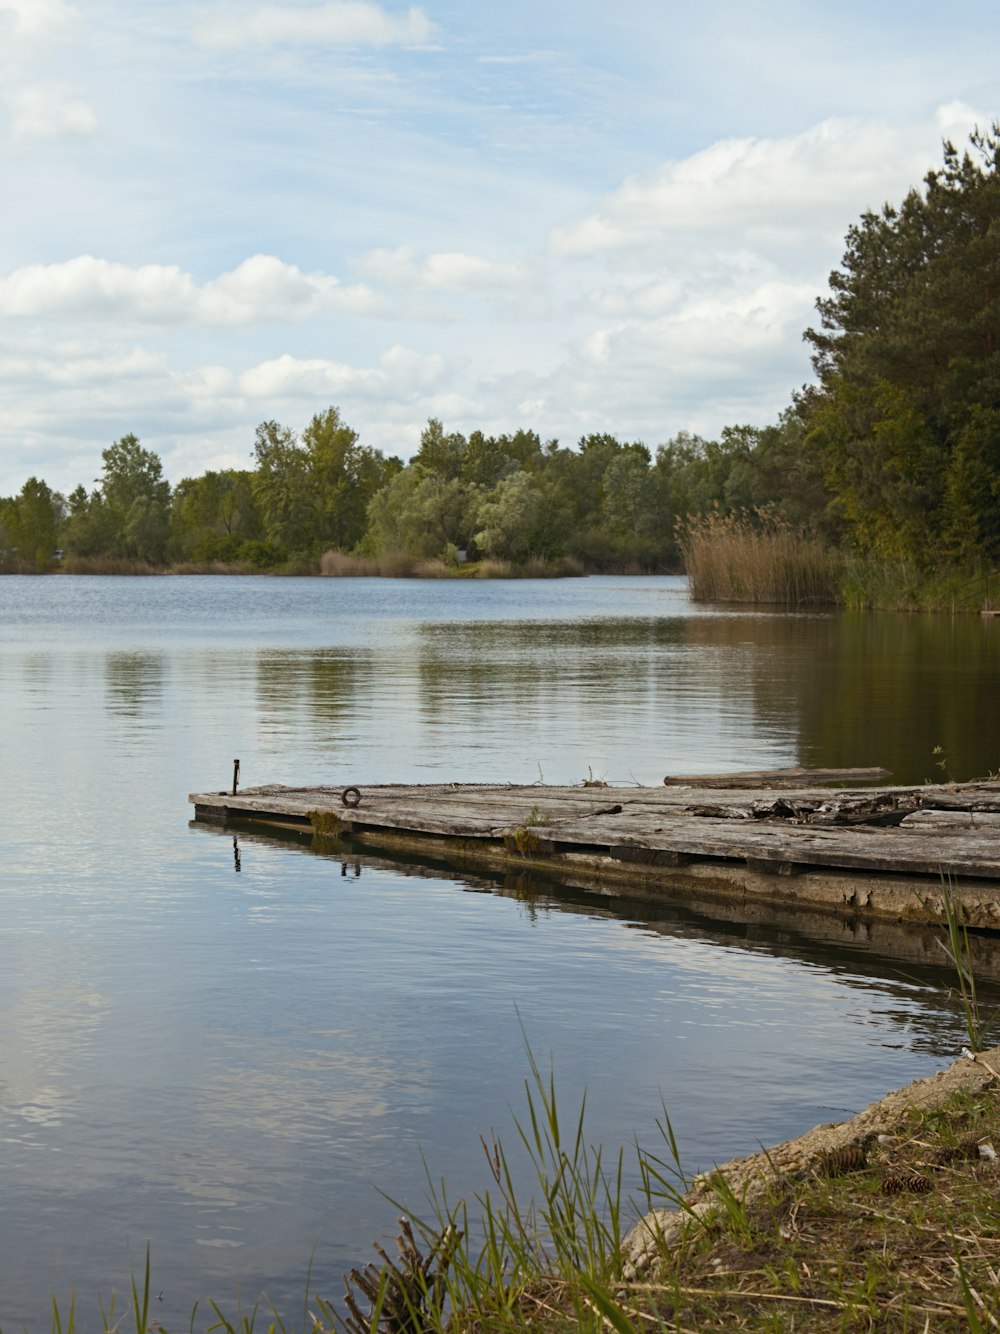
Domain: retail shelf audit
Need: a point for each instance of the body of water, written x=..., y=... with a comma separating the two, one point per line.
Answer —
x=225, y=1047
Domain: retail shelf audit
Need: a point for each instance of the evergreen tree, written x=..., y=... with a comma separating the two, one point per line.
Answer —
x=906, y=419
x=29, y=527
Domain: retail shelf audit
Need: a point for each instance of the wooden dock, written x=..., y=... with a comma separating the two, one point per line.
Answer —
x=879, y=853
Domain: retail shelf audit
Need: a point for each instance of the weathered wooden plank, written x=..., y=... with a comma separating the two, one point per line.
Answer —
x=777, y=777
x=443, y=807
x=973, y=798
x=985, y=823
x=876, y=849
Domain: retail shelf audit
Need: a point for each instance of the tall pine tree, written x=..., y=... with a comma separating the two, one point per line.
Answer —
x=907, y=418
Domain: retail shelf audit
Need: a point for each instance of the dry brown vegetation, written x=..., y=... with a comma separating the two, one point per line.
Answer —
x=343, y=565
x=108, y=565
x=754, y=556
x=398, y=565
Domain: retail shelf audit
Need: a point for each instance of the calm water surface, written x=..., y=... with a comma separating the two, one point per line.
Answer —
x=225, y=1047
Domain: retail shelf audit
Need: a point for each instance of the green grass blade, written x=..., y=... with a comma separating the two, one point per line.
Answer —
x=607, y=1307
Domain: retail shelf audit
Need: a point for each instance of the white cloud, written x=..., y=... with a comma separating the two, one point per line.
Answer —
x=733, y=324
x=70, y=366
x=522, y=58
x=401, y=373
x=337, y=23
x=262, y=289
x=36, y=18
x=726, y=357
x=293, y=377
x=448, y=271
x=762, y=192
x=49, y=111
x=643, y=299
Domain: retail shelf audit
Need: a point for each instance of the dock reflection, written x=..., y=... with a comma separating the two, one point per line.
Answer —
x=894, y=958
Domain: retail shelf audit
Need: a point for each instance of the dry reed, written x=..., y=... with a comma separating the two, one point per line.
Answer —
x=109, y=565
x=344, y=565
x=754, y=556
x=400, y=565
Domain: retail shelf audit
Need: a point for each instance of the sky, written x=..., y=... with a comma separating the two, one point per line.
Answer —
x=571, y=217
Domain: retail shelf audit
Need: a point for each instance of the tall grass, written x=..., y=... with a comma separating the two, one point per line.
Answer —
x=502, y=1263
x=870, y=583
x=212, y=567
x=739, y=1260
x=754, y=556
x=960, y=956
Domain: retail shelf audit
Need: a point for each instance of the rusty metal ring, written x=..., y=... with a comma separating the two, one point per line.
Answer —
x=351, y=796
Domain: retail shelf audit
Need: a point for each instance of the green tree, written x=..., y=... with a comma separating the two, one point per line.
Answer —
x=627, y=494
x=8, y=543
x=509, y=519
x=343, y=477
x=32, y=520
x=486, y=461
x=137, y=500
x=788, y=476
x=213, y=516
x=313, y=493
x=904, y=420
x=421, y=513
x=281, y=487
x=972, y=497
x=440, y=452
x=89, y=529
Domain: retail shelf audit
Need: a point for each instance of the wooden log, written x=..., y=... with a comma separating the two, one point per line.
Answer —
x=777, y=777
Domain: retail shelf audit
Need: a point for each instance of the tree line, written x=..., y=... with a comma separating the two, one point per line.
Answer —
x=894, y=451
x=605, y=504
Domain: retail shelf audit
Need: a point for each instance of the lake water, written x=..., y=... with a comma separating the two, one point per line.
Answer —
x=226, y=1047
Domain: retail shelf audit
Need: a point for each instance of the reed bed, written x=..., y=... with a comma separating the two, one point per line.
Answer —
x=399, y=565
x=212, y=567
x=108, y=565
x=753, y=556
x=344, y=565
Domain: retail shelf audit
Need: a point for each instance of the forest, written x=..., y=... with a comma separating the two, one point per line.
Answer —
x=605, y=505
x=891, y=455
